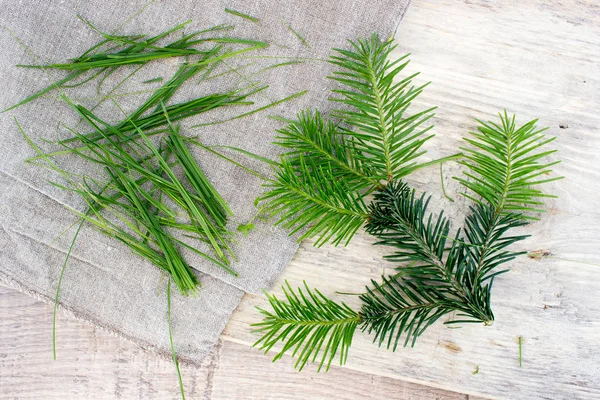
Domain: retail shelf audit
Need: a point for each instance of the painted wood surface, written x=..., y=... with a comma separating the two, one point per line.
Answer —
x=535, y=58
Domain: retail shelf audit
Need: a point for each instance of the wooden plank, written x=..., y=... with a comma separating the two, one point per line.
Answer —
x=95, y=364
x=537, y=59
x=243, y=373
x=91, y=363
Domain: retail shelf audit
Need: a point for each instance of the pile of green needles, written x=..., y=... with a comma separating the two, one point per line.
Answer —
x=152, y=196
x=141, y=197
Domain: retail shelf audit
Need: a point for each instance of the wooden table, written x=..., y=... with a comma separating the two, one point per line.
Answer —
x=535, y=58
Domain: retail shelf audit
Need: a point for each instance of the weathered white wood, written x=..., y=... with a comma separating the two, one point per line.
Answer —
x=242, y=374
x=94, y=364
x=536, y=59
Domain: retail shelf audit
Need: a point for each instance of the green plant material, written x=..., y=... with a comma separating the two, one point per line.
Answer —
x=60, y=278
x=211, y=149
x=328, y=169
x=306, y=196
x=164, y=255
x=282, y=64
x=111, y=147
x=387, y=138
x=443, y=186
x=311, y=325
x=400, y=307
x=476, y=371
x=79, y=64
x=114, y=89
x=140, y=200
x=242, y=15
x=135, y=50
x=216, y=206
x=205, y=195
x=176, y=112
x=156, y=119
x=173, y=261
x=249, y=226
x=156, y=244
x=503, y=166
x=256, y=110
x=313, y=137
x=224, y=73
x=317, y=182
x=153, y=80
x=124, y=150
x=300, y=37
x=245, y=228
x=433, y=279
x=252, y=45
x=54, y=85
x=173, y=353
x=246, y=79
x=236, y=149
x=520, y=352
x=117, y=59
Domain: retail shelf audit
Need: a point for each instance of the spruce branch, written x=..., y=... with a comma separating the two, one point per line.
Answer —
x=311, y=136
x=386, y=136
x=504, y=166
x=306, y=195
x=400, y=307
x=311, y=325
x=433, y=278
x=485, y=238
x=400, y=219
x=331, y=164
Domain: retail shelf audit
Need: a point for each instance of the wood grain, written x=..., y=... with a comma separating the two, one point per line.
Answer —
x=536, y=58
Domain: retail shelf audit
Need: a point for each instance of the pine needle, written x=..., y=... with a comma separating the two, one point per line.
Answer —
x=259, y=109
x=300, y=37
x=157, y=79
x=242, y=15
x=520, y=352
x=137, y=51
x=443, y=186
x=173, y=353
x=140, y=199
x=60, y=278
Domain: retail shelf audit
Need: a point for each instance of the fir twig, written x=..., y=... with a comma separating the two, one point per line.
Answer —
x=312, y=327
x=504, y=166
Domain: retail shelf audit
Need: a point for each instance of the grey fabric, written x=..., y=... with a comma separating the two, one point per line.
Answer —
x=104, y=283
